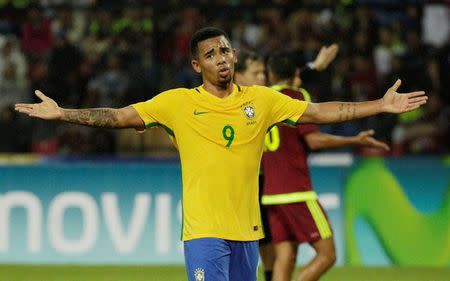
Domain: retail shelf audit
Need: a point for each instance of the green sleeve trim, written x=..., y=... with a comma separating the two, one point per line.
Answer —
x=287, y=122
x=290, y=122
x=287, y=198
x=270, y=128
x=167, y=129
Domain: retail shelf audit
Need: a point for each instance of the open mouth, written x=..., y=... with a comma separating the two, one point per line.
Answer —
x=224, y=71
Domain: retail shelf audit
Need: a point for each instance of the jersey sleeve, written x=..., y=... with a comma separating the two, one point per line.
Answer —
x=158, y=111
x=284, y=109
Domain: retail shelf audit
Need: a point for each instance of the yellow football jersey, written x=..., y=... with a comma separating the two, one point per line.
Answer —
x=220, y=141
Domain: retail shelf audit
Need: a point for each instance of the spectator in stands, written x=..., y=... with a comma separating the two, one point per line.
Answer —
x=64, y=64
x=385, y=50
x=37, y=37
x=154, y=54
x=70, y=21
x=10, y=54
x=11, y=88
x=110, y=87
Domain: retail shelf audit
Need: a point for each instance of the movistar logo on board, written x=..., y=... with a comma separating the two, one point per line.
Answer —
x=199, y=112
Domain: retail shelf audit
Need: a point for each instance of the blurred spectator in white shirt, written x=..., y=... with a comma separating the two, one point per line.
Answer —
x=10, y=54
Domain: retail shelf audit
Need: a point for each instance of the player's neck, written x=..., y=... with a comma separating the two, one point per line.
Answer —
x=220, y=91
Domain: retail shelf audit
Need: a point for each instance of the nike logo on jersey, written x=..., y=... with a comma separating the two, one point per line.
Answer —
x=199, y=112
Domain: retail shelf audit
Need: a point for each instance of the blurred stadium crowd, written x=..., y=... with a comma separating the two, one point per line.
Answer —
x=89, y=53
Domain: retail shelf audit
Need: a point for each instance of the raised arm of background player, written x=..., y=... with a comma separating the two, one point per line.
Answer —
x=323, y=59
x=325, y=56
x=317, y=113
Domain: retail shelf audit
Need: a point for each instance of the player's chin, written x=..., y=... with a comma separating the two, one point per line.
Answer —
x=225, y=79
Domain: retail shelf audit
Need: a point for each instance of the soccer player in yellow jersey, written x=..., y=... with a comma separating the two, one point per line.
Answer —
x=219, y=128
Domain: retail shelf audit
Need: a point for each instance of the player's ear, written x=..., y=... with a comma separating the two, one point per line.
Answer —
x=235, y=55
x=196, y=66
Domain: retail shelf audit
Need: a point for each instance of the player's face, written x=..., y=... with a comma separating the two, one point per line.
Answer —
x=254, y=74
x=215, y=61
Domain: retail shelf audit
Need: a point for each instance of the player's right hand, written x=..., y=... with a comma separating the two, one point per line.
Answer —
x=47, y=109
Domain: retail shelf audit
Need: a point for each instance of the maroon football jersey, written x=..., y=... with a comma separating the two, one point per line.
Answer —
x=285, y=169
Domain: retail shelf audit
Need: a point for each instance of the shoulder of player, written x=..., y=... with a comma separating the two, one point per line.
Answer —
x=174, y=94
x=177, y=91
x=256, y=89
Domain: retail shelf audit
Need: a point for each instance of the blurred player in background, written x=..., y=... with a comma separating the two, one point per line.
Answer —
x=295, y=215
x=250, y=70
x=219, y=128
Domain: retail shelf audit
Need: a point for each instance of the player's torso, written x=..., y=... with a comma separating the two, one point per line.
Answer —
x=220, y=143
x=207, y=125
x=285, y=159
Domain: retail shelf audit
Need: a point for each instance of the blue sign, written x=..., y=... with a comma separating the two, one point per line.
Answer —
x=130, y=212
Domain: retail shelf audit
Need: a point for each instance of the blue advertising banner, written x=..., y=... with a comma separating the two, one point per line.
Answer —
x=130, y=212
x=90, y=213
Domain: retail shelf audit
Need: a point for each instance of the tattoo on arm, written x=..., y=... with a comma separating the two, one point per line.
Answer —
x=101, y=117
x=347, y=111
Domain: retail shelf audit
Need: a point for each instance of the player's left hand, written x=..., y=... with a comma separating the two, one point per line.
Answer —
x=325, y=57
x=394, y=102
x=366, y=138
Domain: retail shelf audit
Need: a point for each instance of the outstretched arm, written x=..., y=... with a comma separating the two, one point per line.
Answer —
x=319, y=140
x=392, y=102
x=48, y=109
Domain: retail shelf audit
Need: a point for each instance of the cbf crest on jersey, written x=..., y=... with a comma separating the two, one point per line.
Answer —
x=199, y=274
x=249, y=110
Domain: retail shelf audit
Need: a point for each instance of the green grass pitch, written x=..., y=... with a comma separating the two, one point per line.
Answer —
x=177, y=273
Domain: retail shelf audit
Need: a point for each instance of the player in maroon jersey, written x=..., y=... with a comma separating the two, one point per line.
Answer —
x=250, y=70
x=295, y=215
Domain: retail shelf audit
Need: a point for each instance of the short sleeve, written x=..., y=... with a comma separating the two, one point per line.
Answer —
x=158, y=110
x=284, y=109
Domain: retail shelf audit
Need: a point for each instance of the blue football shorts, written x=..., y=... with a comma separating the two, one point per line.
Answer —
x=212, y=259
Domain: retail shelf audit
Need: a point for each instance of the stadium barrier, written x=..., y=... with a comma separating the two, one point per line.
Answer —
x=112, y=211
